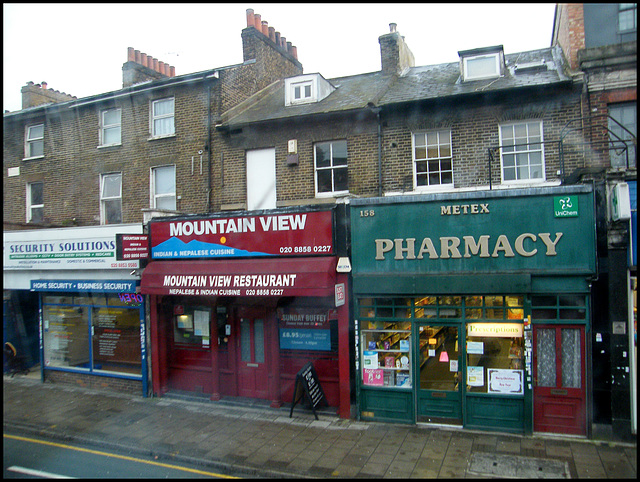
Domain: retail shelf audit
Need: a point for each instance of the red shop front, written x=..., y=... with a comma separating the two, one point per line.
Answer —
x=243, y=327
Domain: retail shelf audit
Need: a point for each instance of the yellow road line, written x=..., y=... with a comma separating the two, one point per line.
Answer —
x=123, y=457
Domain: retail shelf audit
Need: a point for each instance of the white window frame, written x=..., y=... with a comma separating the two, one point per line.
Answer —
x=104, y=127
x=332, y=168
x=30, y=141
x=469, y=76
x=165, y=195
x=109, y=199
x=31, y=207
x=306, y=92
x=527, y=149
x=417, y=142
x=153, y=117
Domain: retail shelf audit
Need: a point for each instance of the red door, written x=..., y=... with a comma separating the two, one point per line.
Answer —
x=559, y=401
x=253, y=369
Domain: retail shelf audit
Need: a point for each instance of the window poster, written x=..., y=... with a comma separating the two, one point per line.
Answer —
x=201, y=323
x=475, y=376
x=372, y=376
x=505, y=381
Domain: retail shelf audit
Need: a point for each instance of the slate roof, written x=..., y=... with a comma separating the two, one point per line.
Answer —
x=416, y=84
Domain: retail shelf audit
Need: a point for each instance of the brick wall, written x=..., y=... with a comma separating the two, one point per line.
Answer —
x=570, y=31
x=133, y=387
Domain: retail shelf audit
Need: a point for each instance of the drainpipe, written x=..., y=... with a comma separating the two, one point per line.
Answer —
x=208, y=143
x=376, y=110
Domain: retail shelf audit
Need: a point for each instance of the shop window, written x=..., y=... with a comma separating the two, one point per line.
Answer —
x=386, y=354
x=495, y=358
x=563, y=307
x=92, y=332
x=191, y=325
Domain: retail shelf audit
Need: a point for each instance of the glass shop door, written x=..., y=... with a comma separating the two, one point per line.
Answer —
x=438, y=372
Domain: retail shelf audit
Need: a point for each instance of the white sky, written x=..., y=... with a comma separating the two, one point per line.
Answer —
x=80, y=48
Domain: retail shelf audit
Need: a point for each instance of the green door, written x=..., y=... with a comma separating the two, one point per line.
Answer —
x=438, y=372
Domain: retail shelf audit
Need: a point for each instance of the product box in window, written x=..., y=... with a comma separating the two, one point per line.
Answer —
x=403, y=380
x=389, y=361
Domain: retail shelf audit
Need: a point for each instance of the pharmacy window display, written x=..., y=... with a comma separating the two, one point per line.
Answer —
x=495, y=358
x=386, y=342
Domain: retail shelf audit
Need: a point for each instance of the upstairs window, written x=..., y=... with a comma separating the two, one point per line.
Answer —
x=627, y=17
x=623, y=147
x=331, y=168
x=111, y=198
x=35, y=202
x=110, y=127
x=162, y=117
x=301, y=91
x=34, y=142
x=521, y=153
x=163, y=187
x=432, y=159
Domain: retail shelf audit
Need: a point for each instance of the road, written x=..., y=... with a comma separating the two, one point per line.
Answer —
x=26, y=456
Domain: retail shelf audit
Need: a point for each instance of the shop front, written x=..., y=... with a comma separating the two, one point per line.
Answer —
x=473, y=309
x=92, y=320
x=240, y=304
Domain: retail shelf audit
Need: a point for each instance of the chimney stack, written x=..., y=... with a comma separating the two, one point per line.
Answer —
x=394, y=52
x=141, y=67
x=262, y=26
x=39, y=94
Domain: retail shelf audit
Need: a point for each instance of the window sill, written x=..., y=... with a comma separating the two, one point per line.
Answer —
x=332, y=194
x=32, y=158
x=108, y=145
x=168, y=136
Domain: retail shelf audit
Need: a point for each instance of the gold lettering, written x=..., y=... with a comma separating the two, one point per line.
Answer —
x=427, y=247
x=410, y=249
x=445, y=210
x=551, y=245
x=503, y=245
x=383, y=246
x=471, y=247
x=520, y=244
x=449, y=244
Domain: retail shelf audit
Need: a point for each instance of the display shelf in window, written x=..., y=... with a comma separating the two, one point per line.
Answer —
x=386, y=354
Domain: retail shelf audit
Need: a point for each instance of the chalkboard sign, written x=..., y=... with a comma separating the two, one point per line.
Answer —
x=307, y=383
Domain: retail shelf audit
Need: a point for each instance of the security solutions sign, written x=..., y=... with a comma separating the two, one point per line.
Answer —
x=84, y=248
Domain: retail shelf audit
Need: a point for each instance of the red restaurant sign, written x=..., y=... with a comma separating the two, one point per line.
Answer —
x=291, y=234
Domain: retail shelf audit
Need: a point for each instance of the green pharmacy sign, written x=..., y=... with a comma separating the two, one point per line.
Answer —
x=565, y=206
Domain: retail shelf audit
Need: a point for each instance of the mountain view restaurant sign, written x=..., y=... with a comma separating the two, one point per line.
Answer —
x=294, y=234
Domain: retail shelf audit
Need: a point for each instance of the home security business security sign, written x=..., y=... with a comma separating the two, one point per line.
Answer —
x=565, y=206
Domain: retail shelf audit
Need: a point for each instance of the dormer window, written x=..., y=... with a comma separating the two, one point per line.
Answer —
x=485, y=63
x=305, y=89
x=302, y=91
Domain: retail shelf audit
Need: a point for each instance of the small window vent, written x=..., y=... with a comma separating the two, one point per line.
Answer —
x=528, y=67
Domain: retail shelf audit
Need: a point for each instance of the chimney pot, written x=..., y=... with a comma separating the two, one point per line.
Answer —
x=172, y=71
x=258, y=19
x=131, y=55
x=392, y=27
x=283, y=42
x=143, y=59
x=272, y=34
x=155, y=64
x=288, y=46
x=277, y=40
x=294, y=52
x=137, y=56
x=251, y=21
x=265, y=28
x=161, y=66
x=44, y=85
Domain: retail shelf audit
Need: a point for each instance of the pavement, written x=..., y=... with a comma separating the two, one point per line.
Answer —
x=237, y=436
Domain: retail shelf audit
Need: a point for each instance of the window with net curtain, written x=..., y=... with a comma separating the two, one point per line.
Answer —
x=111, y=197
x=163, y=117
x=164, y=187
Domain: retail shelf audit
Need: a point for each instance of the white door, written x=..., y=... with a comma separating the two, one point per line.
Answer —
x=261, y=179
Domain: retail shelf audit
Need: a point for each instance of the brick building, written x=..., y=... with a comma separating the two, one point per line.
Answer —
x=79, y=171
x=600, y=42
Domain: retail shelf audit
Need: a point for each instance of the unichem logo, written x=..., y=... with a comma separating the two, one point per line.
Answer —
x=565, y=206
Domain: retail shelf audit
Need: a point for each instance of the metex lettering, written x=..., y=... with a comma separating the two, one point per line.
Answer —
x=452, y=247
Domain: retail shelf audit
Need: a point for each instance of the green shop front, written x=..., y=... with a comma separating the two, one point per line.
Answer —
x=473, y=309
